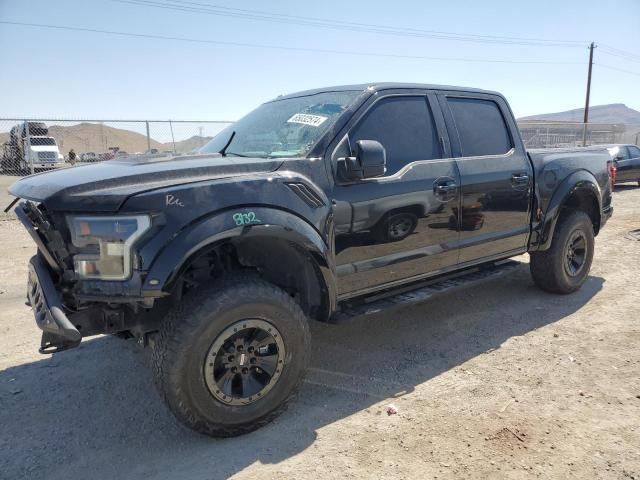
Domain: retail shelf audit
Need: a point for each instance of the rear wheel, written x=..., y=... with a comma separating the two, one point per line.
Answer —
x=564, y=267
x=229, y=358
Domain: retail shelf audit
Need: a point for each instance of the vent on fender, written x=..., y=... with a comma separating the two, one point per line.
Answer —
x=310, y=197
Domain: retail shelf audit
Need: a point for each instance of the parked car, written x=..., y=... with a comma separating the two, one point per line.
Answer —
x=88, y=157
x=218, y=261
x=626, y=160
x=106, y=156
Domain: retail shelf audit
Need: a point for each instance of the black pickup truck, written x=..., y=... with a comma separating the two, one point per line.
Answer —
x=312, y=204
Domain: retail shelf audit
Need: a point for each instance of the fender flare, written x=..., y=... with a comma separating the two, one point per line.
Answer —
x=580, y=181
x=270, y=222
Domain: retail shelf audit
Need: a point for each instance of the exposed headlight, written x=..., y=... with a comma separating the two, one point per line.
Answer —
x=105, y=244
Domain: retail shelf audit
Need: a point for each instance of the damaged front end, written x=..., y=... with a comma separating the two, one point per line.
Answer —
x=82, y=281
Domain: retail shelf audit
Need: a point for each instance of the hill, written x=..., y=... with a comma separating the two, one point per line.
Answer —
x=185, y=146
x=96, y=137
x=612, y=113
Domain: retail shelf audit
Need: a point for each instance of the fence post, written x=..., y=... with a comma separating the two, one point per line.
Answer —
x=148, y=138
x=172, y=138
x=26, y=147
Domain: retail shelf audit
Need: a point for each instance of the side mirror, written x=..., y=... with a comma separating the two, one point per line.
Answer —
x=370, y=161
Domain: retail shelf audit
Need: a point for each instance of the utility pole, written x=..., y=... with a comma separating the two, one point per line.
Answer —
x=586, y=103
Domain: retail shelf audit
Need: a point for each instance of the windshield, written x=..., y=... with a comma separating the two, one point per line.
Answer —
x=282, y=128
x=38, y=141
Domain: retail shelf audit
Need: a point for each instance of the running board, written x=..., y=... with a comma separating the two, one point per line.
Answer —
x=423, y=291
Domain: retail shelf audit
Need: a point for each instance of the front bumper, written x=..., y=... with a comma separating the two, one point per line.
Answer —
x=41, y=164
x=58, y=333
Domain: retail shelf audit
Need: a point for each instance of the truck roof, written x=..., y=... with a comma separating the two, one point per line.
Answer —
x=374, y=87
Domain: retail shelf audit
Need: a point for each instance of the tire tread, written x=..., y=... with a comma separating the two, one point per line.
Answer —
x=545, y=265
x=174, y=335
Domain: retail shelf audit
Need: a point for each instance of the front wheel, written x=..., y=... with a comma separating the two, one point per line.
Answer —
x=564, y=267
x=229, y=357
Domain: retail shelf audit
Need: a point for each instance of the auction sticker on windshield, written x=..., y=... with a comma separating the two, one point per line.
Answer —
x=307, y=119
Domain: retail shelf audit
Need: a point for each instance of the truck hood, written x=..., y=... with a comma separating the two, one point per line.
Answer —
x=105, y=186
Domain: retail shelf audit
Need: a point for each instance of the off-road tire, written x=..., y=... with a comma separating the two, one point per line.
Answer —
x=188, y=331
x=548, y=267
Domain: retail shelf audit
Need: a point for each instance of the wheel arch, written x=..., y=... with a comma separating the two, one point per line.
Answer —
x=579, y=191
x=283, y=248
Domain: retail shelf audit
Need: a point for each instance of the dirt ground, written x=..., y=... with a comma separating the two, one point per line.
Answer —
x=499, y=380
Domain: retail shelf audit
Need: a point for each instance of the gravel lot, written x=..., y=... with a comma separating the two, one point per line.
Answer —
x=496, y=380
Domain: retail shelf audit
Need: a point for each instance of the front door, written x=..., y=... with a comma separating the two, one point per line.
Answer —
x=401, y=225
x=496, y=176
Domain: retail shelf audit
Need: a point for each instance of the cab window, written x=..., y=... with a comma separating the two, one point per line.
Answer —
x=480, y=126
x=405, y=127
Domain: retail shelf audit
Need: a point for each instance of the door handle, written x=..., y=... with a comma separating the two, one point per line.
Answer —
x=520, y=179
x=444, y=187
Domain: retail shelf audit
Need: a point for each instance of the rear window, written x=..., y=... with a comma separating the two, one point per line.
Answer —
x=481, y=127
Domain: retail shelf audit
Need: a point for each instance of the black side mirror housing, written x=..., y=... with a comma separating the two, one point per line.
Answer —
x=369, y=162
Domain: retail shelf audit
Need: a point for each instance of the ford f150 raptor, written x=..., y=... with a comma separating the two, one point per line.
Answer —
x=309, y=206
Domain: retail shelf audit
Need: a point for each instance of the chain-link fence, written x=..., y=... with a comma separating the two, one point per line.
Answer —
x=548, y=134
x=29, y=145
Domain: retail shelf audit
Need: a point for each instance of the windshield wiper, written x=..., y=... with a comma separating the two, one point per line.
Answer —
x=224, y=149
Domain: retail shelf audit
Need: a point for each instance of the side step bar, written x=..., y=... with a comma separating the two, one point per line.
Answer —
x=420, y=292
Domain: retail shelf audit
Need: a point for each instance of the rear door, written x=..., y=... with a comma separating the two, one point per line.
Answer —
x=496, y=176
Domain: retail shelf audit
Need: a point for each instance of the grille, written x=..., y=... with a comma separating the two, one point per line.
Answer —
x=51, y=239
x=50, y=156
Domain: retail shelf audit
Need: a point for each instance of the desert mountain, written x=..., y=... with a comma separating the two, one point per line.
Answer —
x=612, y=113
x=96, y=137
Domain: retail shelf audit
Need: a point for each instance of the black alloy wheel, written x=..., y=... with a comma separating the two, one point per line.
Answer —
x=244, y=362
x=575, y=253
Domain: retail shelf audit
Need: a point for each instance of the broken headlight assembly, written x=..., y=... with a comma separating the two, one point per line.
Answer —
x=105, y=244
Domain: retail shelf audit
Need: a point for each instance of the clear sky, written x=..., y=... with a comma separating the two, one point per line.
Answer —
x=61, y=73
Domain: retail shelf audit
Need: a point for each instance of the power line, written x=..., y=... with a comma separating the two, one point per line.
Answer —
x=281, y=47
x=617, y=69
x=217, y=10
x=626, y=57
x=620, y=52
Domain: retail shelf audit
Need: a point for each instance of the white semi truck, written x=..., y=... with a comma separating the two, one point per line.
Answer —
x=30, y=148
